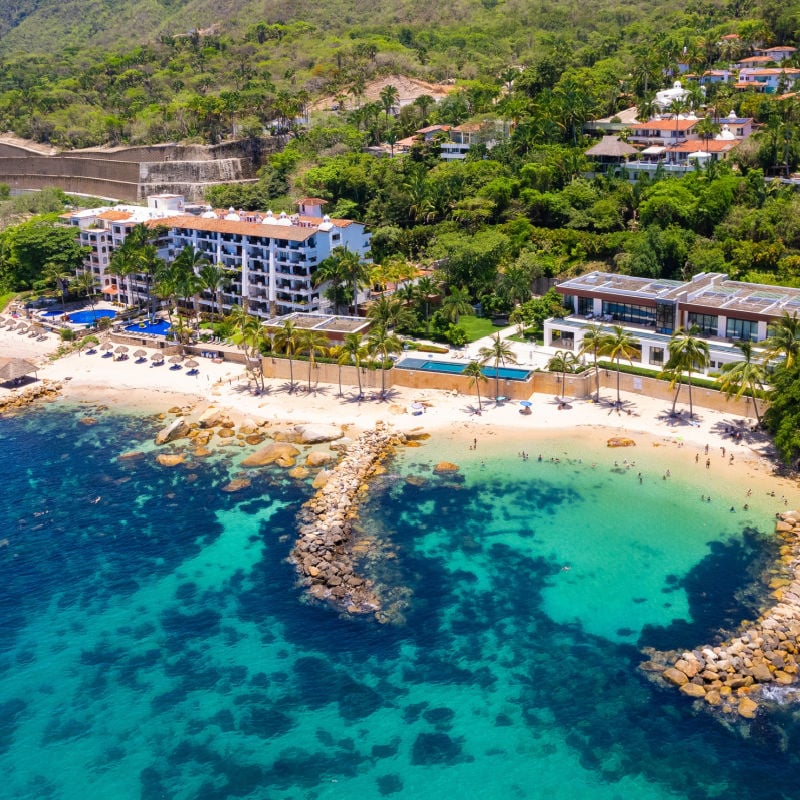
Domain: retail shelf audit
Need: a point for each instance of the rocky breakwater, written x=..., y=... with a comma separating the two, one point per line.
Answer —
x=732, y=676
x=323, y=552
x=46, y=390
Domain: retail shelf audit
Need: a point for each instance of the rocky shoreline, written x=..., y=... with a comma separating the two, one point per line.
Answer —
x=731, y=677
x=46, y=390
x=323, y=552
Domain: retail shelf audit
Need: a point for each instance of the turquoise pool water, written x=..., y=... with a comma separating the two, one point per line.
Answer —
x=153, y=643
x=160, y=327
x=86, y=317
x=453, y=368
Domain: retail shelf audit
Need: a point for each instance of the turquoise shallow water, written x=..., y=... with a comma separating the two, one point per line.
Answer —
x=153, y=643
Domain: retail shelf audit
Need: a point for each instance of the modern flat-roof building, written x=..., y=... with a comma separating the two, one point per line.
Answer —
x=271, y=258
x=725, y=311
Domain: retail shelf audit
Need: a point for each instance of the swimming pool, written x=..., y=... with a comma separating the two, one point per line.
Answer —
x=452, y=368
x=91, y=316
x=159, y=328
x=85, y=317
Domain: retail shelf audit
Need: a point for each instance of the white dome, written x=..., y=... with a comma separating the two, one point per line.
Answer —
x=732, y=115
x=283, y=215
x=326, y=218
x=208, y=215
x=725, y=135
x=233, y=217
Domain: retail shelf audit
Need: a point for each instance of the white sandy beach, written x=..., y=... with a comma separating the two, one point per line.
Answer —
x=448, y=416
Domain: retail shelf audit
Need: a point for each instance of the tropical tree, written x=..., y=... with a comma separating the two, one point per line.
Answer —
x=383, y=343
x=706, y=129
x=287, y=340
x=456, y=303
x=56, y=274
x=214, y=278
x=331, y=271
x=563, y=361
x=687, y=353
x=354, y=352
x=620, y=344
x=745, y=376
x=474, y=372
x=86, y=283
x=426, y=289
x=499, y=352
x=595, y=340
x=389, y=312
x=783, y=342
x=138, y=255
x=312, y=342
x=677, y=107
x=389, y=97
x=335, y=352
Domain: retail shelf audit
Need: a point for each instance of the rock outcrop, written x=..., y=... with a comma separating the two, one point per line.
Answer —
x=732, y=675
x=46, y=390
x=177, y=429
x=281, y=453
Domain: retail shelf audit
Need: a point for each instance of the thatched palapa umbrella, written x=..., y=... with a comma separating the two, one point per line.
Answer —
x=192, y=364
x=12, y=369
x=122, y=349
x=106, y=346
x=157, y=358
x=176, y=362
x=140, y=355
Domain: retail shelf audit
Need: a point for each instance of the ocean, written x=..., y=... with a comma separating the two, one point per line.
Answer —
x=154, y=643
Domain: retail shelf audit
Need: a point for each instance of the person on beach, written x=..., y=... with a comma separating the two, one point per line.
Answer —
x=708, y=463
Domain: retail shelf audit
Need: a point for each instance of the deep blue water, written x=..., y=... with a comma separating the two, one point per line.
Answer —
x=159, y=327
x=153, y=643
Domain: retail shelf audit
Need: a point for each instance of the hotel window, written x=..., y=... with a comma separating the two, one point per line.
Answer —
x=707, y=323
x=624, y=312
x=742, y=329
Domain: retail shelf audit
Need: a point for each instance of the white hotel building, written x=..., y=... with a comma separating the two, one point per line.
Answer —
x=271, y=258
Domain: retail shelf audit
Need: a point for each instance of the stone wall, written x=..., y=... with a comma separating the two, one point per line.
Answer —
x=132, y=173
x=547, y=383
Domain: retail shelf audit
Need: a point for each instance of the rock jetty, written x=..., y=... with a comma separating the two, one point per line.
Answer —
x=46, y=390
x=323, y=552
x=731, y=676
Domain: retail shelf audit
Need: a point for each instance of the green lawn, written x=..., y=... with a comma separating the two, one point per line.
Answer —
x=5, y=299
x=477, y=327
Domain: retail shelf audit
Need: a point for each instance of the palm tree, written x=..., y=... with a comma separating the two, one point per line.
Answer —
x=383, y=343
x=354, y=352
x=677, y=107
x=336, y=352
x=331, y=271
x=215, y=279
x=563, y=361
x=474, y=372
x=389, y=96
x=687, y=353
x=424, y=103
x=287, y=340
x=312, y=342
x=86, y=283
x=620, y=345
x=138, y=255
x=456, y=303
x=389, y=312
x=500, y=352
x=594, y=341
x=357, y=272
x=56, y=274
x=248, y=330
x=784, y=340
x=743, y=377
x=426, y=289
x=706, y=129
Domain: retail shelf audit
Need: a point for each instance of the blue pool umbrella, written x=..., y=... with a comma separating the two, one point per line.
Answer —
x=525, y=403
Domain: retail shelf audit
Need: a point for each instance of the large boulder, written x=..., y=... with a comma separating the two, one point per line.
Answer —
x=177, y=429
x=321, y=479
x=170, y=459
x=318, y=458
x=445, y=468
x=747, y=708
x=313, y=434
x=211, y=417
x=278, y=452
x=236, y=485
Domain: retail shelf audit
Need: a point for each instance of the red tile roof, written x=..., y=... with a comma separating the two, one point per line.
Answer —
x=294, y=233
x=115, y=216
x=681, y=125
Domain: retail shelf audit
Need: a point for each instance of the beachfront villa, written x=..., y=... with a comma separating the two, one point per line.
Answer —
x=271, y=257
x=724, y=311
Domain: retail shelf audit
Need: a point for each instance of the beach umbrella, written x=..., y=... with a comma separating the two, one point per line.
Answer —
x=192, y=364
x=140, y=354
x=106, y=346
x=157, y=357
x=12, y=369
x=122, y=349
x=176, y=359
